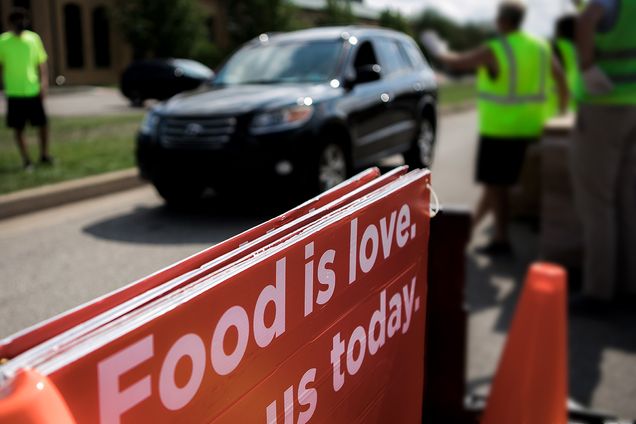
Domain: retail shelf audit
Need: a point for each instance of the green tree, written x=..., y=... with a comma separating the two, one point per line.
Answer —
x=161, y=28
x=459, y=36
x=395, y=20
x=249, y=18
x=338, y=12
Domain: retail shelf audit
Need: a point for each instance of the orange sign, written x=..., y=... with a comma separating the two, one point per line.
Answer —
x=325, y=324
x=30, y=337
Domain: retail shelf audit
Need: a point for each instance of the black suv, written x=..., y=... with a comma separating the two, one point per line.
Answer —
x=305, y=108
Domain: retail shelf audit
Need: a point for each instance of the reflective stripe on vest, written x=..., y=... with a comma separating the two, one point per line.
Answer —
x=618, y=55
x=512, y=97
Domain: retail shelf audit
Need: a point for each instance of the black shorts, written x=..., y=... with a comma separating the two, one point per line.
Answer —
x=499, y=160
x=21, y=110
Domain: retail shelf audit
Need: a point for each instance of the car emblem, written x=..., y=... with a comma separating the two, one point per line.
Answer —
x=193, y=129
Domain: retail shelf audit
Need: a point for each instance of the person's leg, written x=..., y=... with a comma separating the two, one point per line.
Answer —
x=595, y=157
x=16, y=119
x=38, y=118
x=484, y=206
x=495, y=199
x=501, y=198
x=509, y=154
x=43, y=132
x=20, y=140
x=485, y=171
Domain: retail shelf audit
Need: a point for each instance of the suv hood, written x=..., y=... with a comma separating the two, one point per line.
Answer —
x=239, y=99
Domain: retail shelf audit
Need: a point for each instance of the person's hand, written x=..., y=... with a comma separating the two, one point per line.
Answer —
x=596, y=82
x=44, y=90
x=434, y=44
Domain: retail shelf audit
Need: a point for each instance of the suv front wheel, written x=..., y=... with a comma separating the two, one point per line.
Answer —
x=179, y=194
x=420, y=155
x=328, y=167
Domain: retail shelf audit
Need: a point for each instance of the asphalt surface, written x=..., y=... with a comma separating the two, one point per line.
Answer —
x=84, y=101
x=58, y=258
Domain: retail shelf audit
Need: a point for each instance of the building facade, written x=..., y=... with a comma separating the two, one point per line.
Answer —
x=79, y=37
x=85, y=47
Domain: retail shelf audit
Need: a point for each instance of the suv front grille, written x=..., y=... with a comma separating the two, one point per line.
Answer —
x=196, y=133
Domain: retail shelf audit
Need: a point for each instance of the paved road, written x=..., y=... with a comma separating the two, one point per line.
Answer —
x=84, y=101
x=56, y=259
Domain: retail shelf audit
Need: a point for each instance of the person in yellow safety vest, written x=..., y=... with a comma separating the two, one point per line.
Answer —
x=565, y=51
x=25, y=77
x=603, y=152
x=513, y=71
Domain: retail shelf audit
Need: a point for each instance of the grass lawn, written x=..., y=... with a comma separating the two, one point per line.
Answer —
x=81, y=146
x=456, y=92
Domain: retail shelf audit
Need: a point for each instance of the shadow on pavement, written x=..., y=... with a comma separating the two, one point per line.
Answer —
x=211, y=221
x=493, y=285
x=601, y=349
x=598, y=350
x=496, y=282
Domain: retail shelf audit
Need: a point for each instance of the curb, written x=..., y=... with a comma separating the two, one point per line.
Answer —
x=58, y=194
x=457, y=108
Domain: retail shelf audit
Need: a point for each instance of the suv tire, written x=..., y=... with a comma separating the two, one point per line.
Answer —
x=179, y=195
x=136, y=99
x=420, y=155
x=329, y=166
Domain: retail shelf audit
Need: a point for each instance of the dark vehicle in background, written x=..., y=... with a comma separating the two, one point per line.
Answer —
x=301, y=111
x=161, y=79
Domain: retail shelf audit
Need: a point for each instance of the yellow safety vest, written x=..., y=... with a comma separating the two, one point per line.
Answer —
x=616, y=57
x=513, y=104
x=569, y=62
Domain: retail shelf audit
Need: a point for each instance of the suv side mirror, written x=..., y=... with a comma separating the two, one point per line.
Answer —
x=365, y=74
x=210, y=81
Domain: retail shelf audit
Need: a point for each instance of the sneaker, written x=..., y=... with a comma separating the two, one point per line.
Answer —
x=27, y=166
x=47, y=160
x=496, y=248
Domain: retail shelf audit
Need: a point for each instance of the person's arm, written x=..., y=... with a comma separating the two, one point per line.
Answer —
x=471, y=61
x=42, y=58
x=2, y=87
x=44, y=79
x=595, y=80
x=461, y=62
x=586, y=28
x=562, y=86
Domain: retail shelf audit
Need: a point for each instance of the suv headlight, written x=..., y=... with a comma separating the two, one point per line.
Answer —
x=282, y=119
x=149, y=124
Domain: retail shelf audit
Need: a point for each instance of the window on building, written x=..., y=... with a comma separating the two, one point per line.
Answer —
x=25, y=4
x=101, y=37
x=73, y=36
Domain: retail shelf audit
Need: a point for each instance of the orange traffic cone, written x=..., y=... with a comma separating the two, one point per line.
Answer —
x=32, y=399
x=530, y=386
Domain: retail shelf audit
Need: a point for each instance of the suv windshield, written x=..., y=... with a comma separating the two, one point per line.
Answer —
x=288, y=62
